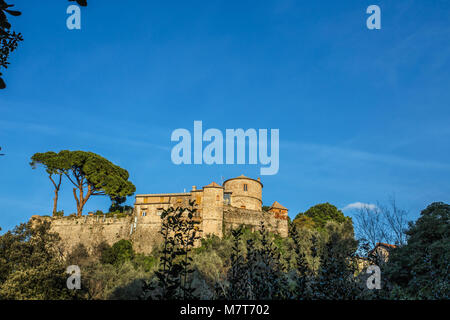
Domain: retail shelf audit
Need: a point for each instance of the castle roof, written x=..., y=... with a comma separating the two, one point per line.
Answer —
x=387, y=246
x=243, y=177
x=213, y=185
x=277, y=205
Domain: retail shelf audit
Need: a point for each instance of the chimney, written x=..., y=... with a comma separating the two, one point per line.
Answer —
x=259, y=179
x=194, y=188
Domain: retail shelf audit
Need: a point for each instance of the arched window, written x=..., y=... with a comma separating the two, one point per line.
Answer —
x=245, y=187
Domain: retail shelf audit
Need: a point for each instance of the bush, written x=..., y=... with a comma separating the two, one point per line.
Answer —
x=59, y=213
x=120, y=252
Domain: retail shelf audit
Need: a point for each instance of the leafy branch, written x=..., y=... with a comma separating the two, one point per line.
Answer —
x=9, y=39
x=179, y=232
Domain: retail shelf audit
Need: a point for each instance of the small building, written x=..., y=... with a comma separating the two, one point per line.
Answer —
x=381, y=252
x=279, y=211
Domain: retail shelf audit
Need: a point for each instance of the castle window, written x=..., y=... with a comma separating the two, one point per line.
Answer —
x=245, y=187
x=217, y=198
x=144, y=213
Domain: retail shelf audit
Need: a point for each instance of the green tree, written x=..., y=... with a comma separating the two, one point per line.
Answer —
x=93, y=175
x=303, y=273
x=120, y=252
x=117, y=205
x=55, y=168
x=335, y=278
x=179, y=232
x=420, y=269
x=9, y=40
x=303, y=221
x=320, y=215
x=265, y=271
x=31, y=266
x=237, y=275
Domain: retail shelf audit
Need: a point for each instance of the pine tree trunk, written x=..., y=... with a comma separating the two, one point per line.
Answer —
x=55, y=203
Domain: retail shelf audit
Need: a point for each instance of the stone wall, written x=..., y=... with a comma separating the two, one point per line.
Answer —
x=234, y=217
x=143, y=231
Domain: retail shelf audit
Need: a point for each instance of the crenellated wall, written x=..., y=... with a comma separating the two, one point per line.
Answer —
x=143, y=231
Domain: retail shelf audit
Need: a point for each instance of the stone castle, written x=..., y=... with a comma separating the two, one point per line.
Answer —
x=219, y=208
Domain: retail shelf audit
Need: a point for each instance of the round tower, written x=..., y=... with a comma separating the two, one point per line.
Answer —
x=212, y=209
x=246, y=193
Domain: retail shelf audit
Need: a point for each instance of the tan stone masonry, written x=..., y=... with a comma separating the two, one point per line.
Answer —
x=220, y=208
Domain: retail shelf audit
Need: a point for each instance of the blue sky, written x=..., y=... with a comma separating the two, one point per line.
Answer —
x=363, y=114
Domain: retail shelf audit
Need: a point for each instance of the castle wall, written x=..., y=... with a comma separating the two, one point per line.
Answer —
x=90, y=230
x=234, y=217
x=143, y=232
x=142, y=229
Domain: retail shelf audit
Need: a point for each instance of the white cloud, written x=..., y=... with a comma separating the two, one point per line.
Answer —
x=359, y=205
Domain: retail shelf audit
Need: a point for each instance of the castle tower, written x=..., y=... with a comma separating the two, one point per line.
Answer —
x=246, y=193
x=279, y=211
x=212, y=209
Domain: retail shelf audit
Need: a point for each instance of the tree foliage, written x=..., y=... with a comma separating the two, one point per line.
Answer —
x=9, y=39
x=309, y=264
x=119, y=253
x=54, y=168
x=93, y=175
x=117, y=205
x=318, y=215
x=90, y=174
x=303, y=221
x=173, y=278
x=421, y=267
x=335, y=278
x=31, y=266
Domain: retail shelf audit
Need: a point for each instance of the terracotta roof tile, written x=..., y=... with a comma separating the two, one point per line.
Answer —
x=213, y=184
x=277, y=205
